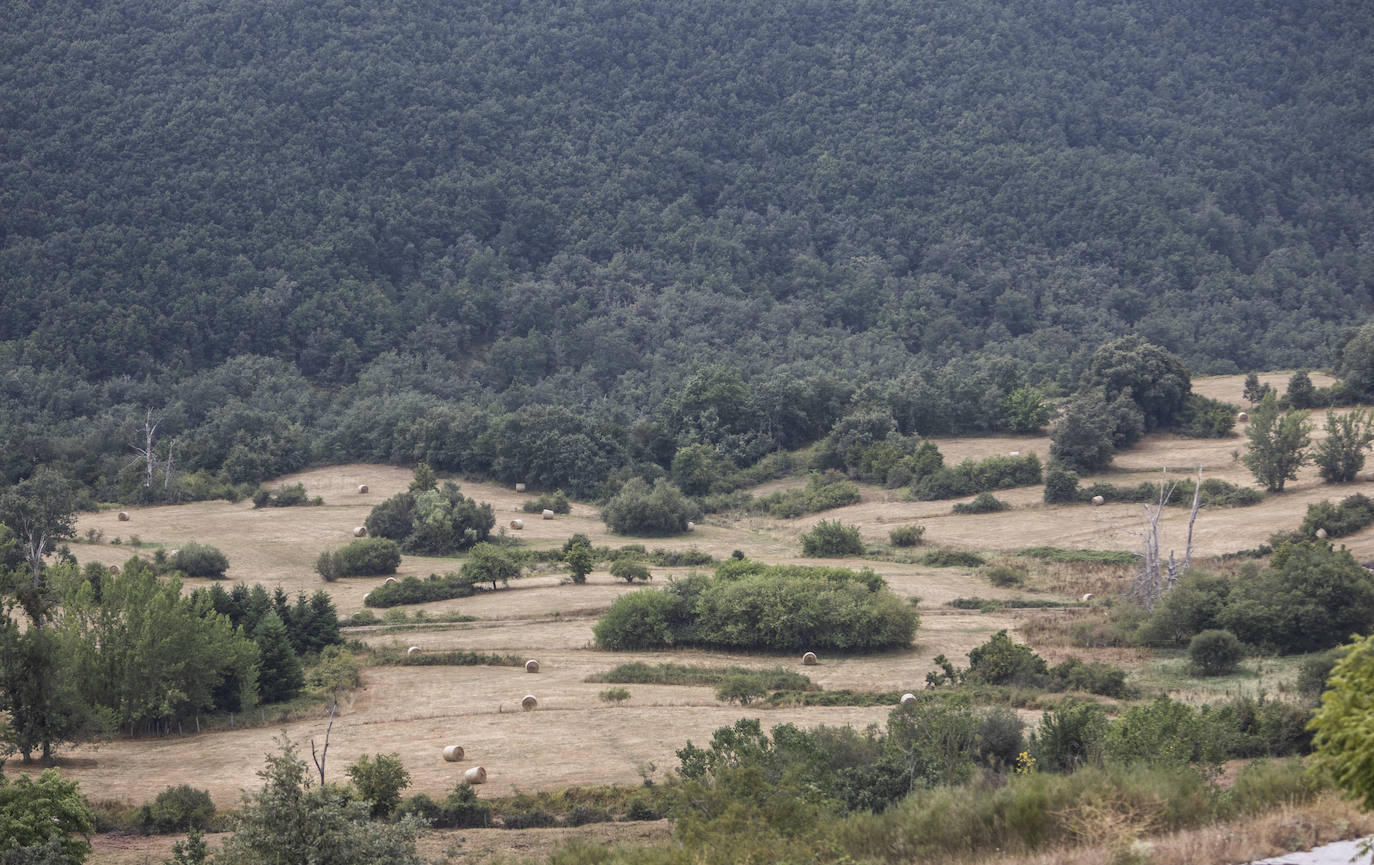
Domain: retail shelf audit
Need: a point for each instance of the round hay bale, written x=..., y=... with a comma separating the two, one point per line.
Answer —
x=691, y=526
x=809, y=659
x=1243, y=417
x=1014, y=454
x=908, y=697
x=362, y=489
x=529, y=703
x=1086, y=597
x=548, y=514
x=1321, y=533
x=519, y=488
x=114, y=569
x=475, y=775
x=123, y=516
x=531, y=666
x=389, y=581
x=413, y=650
x=517, y=524
x=453, y=753
x=360, y=531
x=1098, y=500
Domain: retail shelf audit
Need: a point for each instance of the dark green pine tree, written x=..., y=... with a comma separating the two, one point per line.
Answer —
x=280, y=676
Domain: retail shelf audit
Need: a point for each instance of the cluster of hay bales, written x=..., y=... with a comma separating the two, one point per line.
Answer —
x=517, y=524
x=123, y=516
x=810, y=659
x=531, y=666
x=360, y=531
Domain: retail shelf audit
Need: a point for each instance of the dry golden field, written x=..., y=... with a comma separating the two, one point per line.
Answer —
x=573, y=738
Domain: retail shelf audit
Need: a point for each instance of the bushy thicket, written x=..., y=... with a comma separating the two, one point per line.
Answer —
x=906, y=536
x=977, y=476
x=819, y=494
x=555, y=501
x=180, y=808
x=1354, y=513
x=768, y=611
x=284, y=497
x=432, y=522
x=999, y=661
x=832, y=538
x=1310, y=598
x=641, y=509
x=733, y=569
x=365, y=557
x=1216, y=493
x=414, y=590
x=983, y=503
x=200, y=560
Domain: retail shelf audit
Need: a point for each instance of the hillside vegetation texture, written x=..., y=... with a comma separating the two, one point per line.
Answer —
x=551, y=242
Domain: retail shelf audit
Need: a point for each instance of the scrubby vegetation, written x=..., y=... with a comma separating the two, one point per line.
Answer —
x=768, y=610
x=365, y=557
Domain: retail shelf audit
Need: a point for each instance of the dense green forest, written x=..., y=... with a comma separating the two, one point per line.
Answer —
x=559, y=241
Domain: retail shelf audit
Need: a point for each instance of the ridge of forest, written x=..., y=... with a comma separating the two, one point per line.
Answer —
x=549, y=241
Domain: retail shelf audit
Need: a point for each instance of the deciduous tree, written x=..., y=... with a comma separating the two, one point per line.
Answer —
x=1278, y=443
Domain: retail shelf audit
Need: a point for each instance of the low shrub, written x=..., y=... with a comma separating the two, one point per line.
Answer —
x=365, y=557
x=1004, y=576
x=284, y=497
x=830, y=539
x=970, y=477
x=1215, y=652
x=177, y=809
x=555, y=501
x=413, y=590
x=1061, y=486
x=983, y=503
x=952, y=559
x=906, y=536
x=1353, y=514
x=615, y=696
x=200, y=560
x=688, y=558
x=820, y=494
x=1314, y=671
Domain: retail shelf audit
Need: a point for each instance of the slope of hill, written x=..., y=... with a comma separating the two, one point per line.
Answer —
x=415, y=212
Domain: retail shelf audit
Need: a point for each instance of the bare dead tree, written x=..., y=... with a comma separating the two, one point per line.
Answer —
x=1149, y=584
x=323, y=754
x=147, y=454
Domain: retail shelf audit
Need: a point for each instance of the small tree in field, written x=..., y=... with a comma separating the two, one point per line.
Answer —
x=580, y=561
x=380, y=780
x=1254, y=391
x=1278, y=444
x=1341, y=456
x=629, y=571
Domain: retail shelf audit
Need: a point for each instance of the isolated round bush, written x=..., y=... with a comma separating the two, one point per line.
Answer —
x=1215, y=652
x=906, y=536
x=201, y=560
x=829, y=538
x=639, y=509
x=1061, y=486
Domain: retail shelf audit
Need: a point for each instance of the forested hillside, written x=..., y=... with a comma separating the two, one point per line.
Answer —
x=552, y=240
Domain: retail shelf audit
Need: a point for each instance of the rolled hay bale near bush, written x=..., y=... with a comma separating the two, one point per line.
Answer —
x=389, y=581
x=453, y=753
x=529, y=703
x=1098, y=500
x=1321, y=534
x=908, y=697
x=360, y=531
x=362, y=489
x=475, y=775
x=1014, y=454
x=531, y=666
x=114, y=569
x=1087, y=596
x=547, y=514
x=1243, y=417
x=413, y=650
x=810, y=659
x=691, y=526
x=123, y=516
x=519, y=488
x=517, y=524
